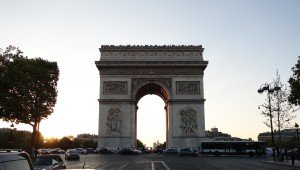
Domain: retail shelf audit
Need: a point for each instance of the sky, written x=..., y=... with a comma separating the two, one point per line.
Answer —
x=245, y=43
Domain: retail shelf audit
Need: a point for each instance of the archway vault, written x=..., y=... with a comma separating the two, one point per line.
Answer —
x=160, y=87
x=174, y=73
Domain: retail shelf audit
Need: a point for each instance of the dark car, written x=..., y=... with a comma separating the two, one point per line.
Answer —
x=187, y=152
x=170, y=151
x=90, y=150
x=72, y=154
x=158, y=150
x=15, y=161
x=48, y=162
x=127, y=151
x=105, y=151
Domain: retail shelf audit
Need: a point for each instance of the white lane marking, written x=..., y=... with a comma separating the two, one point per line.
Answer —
x=166, y=166
x=152, y=165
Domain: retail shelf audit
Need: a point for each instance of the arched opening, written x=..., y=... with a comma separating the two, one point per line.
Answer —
x=151, y=116
x=151, y=120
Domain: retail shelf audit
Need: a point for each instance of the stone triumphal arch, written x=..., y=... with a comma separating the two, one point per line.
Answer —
x=127, y=73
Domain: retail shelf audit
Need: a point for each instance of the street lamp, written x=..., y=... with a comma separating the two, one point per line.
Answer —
x=297, y=129
x=11, y=134
x=270, y=89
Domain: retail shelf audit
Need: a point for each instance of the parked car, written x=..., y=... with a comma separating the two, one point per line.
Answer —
x=15, y=161
x=136, y=151
x=90, y=150
x=170, y=151
x=48, y=162
x=188, y=152
x=105, y=151
x=158, y=150
x=43, y=151
x=81, y=150
x=126, y=151
x=72, y=154
x=57, y=151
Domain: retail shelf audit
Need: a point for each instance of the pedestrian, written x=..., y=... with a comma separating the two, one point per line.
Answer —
x=293, y=156
x=278, y=154
x=286, y=154
x=273, y=154
x=282, y=155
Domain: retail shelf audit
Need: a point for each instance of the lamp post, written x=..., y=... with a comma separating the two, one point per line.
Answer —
x=297, y=129
x=11, y=135
x=270, y=89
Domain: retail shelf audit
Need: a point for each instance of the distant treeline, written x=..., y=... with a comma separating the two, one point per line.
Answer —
x=14, y=139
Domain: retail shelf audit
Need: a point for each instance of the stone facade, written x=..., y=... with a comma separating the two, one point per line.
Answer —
x=127, y=73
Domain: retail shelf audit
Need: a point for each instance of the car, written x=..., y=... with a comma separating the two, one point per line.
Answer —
x=269, y=151
x=51, y=161
x=15, y=161
x=187, y=152
x=81, y=150
x=126, y=151
x=158, y=150
x=43, y=151
x=105, y=151
x=57, y=151
x=137, y=151
x=90, y=150
x=170, y=151
x=72, y=154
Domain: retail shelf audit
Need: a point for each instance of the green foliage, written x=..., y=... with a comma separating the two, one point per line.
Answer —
x=162, y=146
x=89, y=144
x=28, y=88
x=11, y=138
x=65, y=143
x=294, y=97
x=139, y=144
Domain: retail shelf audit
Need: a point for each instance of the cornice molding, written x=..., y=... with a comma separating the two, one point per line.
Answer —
x=149, y=47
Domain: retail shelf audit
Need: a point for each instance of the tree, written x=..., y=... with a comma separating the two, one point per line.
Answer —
x=281, y=109
x=28, y=89
x=139, y=144
x=65, y=143
x=294, y=97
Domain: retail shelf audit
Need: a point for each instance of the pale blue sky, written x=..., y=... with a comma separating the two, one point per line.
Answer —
x=245, y=42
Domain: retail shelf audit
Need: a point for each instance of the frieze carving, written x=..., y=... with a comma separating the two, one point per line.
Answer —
x=188, y=120
x=151, y=71
x=188, y=87
x=114, y=122
x=115, y=87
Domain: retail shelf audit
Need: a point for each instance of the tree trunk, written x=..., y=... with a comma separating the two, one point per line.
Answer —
x=33, y=137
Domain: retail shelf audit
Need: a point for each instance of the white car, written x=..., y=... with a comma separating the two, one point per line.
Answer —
x=136, y=151
x=269, y=151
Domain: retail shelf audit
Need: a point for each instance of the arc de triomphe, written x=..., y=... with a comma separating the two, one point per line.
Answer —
x=127, y=73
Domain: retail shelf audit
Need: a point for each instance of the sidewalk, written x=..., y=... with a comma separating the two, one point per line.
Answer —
x=285, y=163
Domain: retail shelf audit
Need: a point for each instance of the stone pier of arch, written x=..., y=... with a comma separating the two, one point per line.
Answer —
x=127, y=73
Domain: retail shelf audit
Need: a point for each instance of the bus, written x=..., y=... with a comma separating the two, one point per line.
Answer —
x=217, y=148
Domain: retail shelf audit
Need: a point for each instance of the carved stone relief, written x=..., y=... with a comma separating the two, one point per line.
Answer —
x=188, y=120
x=114, y=122
x=188, y=87
x=115, y=87
x=135, y=82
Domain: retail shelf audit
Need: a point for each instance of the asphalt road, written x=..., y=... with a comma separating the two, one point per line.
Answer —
x=160, y=162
